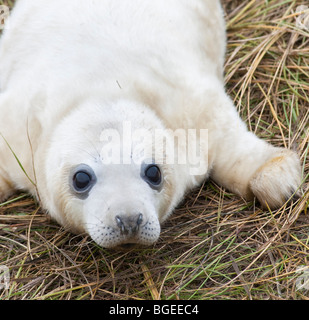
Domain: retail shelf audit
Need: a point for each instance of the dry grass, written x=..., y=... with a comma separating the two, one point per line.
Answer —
x=215, y=246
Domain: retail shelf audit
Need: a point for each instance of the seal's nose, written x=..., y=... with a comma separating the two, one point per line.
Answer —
x=129, y=224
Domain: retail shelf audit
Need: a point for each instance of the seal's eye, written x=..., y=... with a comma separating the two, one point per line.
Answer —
x=153, y=174
x=81, y=181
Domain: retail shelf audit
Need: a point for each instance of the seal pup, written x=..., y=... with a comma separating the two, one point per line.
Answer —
x=79, y=79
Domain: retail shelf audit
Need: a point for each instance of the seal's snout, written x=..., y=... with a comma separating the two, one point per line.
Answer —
x=126, y=229
x=129, y=224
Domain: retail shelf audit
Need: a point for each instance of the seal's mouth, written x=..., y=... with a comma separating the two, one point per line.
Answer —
x=127, y=246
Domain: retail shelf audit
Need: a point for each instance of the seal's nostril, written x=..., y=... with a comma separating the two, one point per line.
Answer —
x=129, y=224
x=120, y=224
x=140, y=219
x=119, y=221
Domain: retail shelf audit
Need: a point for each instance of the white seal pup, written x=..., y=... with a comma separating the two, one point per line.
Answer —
x=88, y=88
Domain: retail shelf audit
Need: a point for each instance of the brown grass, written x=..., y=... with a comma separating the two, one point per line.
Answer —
x=215, y=246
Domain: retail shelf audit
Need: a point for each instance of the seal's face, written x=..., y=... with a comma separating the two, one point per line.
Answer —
x=116, y=189
x=120, y=202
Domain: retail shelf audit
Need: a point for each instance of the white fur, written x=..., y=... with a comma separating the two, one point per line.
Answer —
x=69, y=69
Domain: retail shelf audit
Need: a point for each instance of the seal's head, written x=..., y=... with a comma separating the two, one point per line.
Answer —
x=105, y=174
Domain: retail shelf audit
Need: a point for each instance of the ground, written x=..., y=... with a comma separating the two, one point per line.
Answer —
x=215, y=245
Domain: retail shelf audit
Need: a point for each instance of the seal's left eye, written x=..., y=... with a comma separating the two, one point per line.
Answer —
x=153, y=174
x=81, y=181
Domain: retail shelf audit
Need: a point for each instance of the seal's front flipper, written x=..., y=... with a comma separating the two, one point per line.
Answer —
x=252, y=167
x=278, y=179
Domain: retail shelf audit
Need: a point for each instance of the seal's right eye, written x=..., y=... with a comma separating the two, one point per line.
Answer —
x=82, y=179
